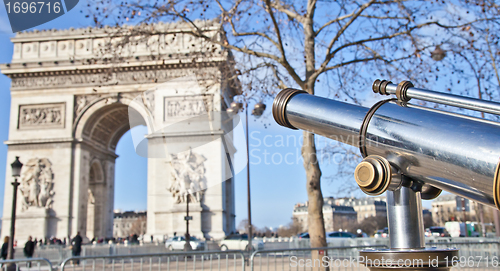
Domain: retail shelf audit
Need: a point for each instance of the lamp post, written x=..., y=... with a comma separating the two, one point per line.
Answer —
x=257, y=112
x=16, y=172
x=187, y=245
x=438, y=54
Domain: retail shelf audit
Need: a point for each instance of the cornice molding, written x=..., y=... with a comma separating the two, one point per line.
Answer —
x=109, y=76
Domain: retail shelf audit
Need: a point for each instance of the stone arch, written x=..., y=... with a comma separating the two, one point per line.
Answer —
x=81, y=152
x=99, y=127
x=109, y=113
x=97, y=172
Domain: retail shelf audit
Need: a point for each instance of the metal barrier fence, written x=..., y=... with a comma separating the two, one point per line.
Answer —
x=202, y=260
x=57, y=253
x=339, y=258
x=474, y=255
x=35, y=264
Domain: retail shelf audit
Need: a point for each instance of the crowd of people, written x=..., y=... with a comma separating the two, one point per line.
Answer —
x=29, y=246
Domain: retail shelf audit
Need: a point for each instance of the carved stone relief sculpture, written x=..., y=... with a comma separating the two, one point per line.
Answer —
x=188, y=177
x=35, y=116
x=148, y=99
x=81, y=101
x=187, y=106
x=37, y=184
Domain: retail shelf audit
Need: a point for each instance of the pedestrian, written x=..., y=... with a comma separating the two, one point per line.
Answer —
x=76, y=247
x=29, y=250
x=5, y=248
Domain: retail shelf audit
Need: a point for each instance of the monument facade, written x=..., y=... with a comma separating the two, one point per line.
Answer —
x=72, y=95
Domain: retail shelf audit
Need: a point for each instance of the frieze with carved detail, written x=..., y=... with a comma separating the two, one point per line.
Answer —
x=100, y=79
x=33, y=116
x=81, y=101
x=187, y=106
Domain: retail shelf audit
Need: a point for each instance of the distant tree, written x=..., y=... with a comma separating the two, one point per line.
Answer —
x=139, y=226
x=292, y=229
x=369, y=225
x=243, y=227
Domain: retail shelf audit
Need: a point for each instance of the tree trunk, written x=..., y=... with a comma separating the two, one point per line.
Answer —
x=315, y=218
x=315, y=208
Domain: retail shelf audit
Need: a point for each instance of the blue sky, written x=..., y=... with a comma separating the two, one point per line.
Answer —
x=276, y=187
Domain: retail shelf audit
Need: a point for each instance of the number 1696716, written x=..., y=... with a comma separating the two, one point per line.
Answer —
x=33, y=7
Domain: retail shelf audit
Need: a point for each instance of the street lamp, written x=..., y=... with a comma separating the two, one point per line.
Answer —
x=16, y=172
x=438, y=54
x=257, y=111
x=187, y=244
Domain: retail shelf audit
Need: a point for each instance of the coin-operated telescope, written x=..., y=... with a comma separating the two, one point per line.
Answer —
x=411, y=153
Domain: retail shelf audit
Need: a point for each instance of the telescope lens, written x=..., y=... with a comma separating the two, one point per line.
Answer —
x=373, y=175
x=365, y=174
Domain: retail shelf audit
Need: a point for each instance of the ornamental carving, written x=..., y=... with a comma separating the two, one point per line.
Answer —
x=81, y=101
x=148, y=99
x=100, y=79
x=37, y=184
x=41, y=116
x=187, y=106
x=188, y=177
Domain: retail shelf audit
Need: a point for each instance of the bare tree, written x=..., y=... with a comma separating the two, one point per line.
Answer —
x=368, y=225
x=311, y=45
x=139, y=225
x=292, y=229
x=243, y=227
x=471, y=65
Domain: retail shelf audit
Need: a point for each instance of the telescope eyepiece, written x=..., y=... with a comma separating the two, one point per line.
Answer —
x=279, y=106
x=373, y=175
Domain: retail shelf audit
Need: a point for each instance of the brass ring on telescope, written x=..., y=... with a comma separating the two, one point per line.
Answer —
x=401, y=91
x=279, y=106
x=364, y=125
x=496, y=186
x=379, y=86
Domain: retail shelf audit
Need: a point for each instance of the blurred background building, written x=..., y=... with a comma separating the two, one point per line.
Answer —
x=129, y=223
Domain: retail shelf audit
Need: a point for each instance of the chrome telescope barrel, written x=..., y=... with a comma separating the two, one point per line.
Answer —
x=452, y=152
x=405, y=91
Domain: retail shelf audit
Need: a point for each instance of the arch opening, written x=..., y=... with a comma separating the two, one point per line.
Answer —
x=103, y=129
x=131, y=188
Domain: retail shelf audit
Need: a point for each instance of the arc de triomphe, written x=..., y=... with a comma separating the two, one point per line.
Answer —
x=70, y=106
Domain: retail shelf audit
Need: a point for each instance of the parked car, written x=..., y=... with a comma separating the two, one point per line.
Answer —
x=438, y=232
x=177, y=243
x=461, y=229
x=340, y=234
x=304, y=235
x=383, y=233
x=239, y=242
